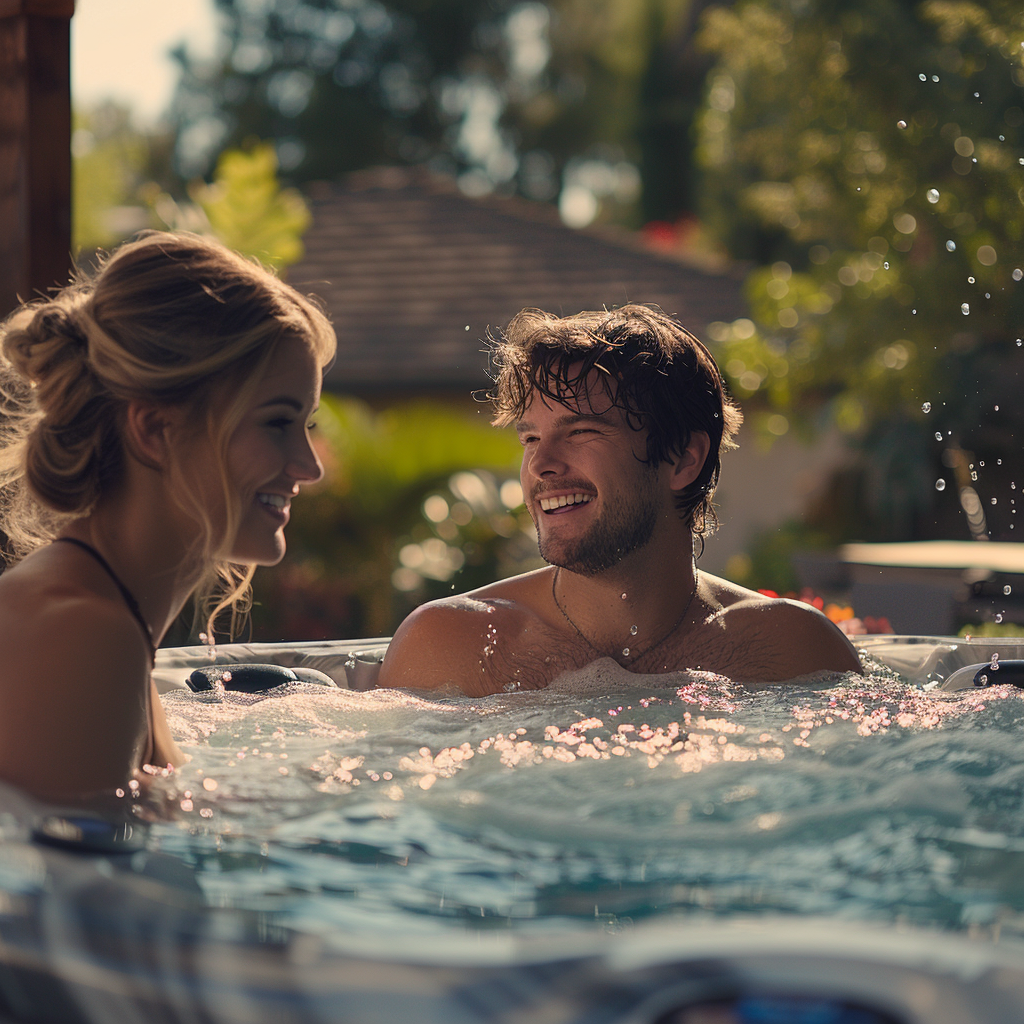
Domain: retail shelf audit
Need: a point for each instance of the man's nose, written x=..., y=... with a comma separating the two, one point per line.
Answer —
x=547, y=458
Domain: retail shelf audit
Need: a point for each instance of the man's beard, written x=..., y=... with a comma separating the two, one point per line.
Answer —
x=620, y=530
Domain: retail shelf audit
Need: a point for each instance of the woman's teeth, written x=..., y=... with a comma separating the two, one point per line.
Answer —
x=548, y=504
x=276, y=500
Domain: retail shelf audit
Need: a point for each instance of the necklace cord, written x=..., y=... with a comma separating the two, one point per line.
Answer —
x=583, y=636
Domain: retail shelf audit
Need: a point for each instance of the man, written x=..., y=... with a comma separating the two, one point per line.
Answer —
x=622, y=416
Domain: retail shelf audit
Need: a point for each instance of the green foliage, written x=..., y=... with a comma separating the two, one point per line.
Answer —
x=110, y=161
x=1008, y=629
x=347, y=533
x=511, y=96
x=768, y=561
x=870, y=157
x=249, y=211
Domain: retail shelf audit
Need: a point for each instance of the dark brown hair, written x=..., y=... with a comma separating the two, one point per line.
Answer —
x=660, y=375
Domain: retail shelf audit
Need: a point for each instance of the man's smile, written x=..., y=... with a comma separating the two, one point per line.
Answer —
x=563, y=501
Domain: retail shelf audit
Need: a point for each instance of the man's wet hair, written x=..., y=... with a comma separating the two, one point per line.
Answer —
x=650, y=366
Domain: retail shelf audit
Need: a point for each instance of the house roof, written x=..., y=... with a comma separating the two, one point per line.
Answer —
x=414, y=273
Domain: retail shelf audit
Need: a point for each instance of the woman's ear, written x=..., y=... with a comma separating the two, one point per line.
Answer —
x=148, y=432
x=687, y=466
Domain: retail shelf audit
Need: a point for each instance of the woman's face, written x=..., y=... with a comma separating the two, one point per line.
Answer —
x=269, y=455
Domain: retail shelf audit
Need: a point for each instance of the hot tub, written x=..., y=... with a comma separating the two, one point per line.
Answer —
x=838, y=849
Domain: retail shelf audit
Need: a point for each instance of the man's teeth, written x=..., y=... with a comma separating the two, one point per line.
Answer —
x=277, y=500
x=547, y=504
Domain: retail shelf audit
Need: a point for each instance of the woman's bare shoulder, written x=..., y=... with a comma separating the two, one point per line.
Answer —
x=73, y=677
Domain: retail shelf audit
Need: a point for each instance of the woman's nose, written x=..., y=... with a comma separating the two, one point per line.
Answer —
x=305, y=466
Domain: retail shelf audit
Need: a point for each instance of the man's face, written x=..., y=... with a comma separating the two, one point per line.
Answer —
x=591, y=497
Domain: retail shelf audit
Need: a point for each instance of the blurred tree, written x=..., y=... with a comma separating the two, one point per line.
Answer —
x=870, y=158
x=344, y=574
x=244, y=207
x=110, y=158
x=572, y=99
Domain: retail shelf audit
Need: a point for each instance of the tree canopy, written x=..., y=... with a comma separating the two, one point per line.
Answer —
x=573, y=98
x=870, y=159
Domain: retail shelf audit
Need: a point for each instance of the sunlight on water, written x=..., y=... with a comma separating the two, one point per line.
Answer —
x=865, y=799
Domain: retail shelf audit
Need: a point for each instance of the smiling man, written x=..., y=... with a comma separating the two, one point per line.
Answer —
x=622, y=416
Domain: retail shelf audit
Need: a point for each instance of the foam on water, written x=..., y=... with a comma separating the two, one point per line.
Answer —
x=606, y=798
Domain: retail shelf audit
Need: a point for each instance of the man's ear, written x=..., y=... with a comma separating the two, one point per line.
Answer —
x=687, y=466
x=149, y=430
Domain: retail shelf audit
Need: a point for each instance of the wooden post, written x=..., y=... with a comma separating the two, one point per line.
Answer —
x=35, y=147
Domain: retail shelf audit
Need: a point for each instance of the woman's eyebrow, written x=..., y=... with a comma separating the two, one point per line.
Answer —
x=293, y=403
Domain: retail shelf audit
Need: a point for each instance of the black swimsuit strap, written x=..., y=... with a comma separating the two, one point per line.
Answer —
x=129, y=597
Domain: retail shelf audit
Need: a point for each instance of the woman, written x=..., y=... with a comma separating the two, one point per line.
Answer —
x=154, y=427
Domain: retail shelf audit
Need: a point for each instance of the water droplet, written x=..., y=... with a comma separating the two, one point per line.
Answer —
x=940, y=484
x=625, y=652
x=623, y=597
x=974, y=475
x=1007, y=590
x=999, y=462
x=901, y=124
x=982, y=681
x=935, y=78
x=1019, y=343
x=467, y=327
x=950, y=245
x=970, y=280
x=933, y=195
x=927, y=407
x=938, y=435
x=994, y=501
x=924, y=78
x=633, y=630
x=886, y=265
x=977, y=95
x=965, y=308
x=999, y=617
x=1017, y=274
x=994, y=663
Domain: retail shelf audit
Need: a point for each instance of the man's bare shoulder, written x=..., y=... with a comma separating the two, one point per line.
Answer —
x=765, y=639
x=446, y=641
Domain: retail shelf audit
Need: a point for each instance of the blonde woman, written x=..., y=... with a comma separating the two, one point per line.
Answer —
x=154, y=428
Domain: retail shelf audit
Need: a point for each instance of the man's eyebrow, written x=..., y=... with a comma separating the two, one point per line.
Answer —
x=568, y=419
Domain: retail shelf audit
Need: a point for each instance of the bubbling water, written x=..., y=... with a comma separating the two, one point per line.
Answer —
x=606, y=798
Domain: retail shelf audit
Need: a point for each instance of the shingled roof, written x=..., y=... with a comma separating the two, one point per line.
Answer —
x=414, y=273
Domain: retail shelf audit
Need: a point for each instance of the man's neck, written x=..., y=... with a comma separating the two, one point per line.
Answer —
x=634, y=606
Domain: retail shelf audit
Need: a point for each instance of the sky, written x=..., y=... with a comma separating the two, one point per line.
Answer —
x=119, y=50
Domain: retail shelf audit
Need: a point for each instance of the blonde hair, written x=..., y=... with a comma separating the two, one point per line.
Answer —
x=173, y=319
